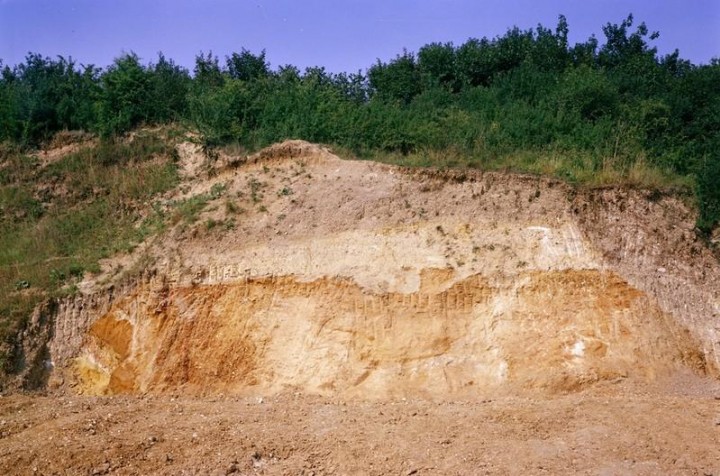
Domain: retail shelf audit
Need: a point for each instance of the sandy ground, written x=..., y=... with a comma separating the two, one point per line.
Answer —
x=608, y=430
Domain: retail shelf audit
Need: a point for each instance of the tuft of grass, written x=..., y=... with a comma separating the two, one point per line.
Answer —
x=217, y=190
x=232, y=208
x=211, y=223
x=188, y=210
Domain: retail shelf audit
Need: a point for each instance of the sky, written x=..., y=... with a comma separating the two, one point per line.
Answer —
x=341, y=35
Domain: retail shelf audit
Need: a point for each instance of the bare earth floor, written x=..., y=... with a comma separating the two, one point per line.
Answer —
x=610, y=429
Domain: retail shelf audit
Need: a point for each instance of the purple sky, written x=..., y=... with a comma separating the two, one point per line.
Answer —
x=340, y=35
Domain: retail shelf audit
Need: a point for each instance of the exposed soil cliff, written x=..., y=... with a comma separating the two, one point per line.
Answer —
x=310, y=315
x=350, y=278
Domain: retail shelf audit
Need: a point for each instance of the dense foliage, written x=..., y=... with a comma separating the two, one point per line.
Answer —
x=529, y=100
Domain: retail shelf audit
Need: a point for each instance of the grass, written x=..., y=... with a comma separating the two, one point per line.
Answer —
x=59, y=220
x=576, y=167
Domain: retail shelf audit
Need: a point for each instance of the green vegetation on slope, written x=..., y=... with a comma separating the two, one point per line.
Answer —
x=60, y=217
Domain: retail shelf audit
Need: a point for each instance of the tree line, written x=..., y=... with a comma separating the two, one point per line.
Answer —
x=592, y=105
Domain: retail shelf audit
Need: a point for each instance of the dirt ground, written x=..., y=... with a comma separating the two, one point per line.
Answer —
x=610, y=429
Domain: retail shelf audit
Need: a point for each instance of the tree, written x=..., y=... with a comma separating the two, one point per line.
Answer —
x=353, y=86
x=550, y=50
x=633, y=62
x=437, y=65
x=398, y=80
x=169, y=86
x=247, y=66
x=474, y=63
x=125, y=97
x=9, y=114
x=207, y=72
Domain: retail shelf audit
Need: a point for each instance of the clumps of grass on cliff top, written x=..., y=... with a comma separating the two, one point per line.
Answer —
x=58, y=218
x=576, y=167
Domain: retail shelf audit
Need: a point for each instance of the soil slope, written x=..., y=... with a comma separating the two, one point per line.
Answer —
x=457, y=312
x=356, y=279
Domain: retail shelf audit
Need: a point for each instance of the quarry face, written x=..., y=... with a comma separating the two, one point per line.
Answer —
x=367, y=281
x=323, y=316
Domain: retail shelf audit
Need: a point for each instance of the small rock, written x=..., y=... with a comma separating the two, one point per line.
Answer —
x=232, y=469
x=102, y=469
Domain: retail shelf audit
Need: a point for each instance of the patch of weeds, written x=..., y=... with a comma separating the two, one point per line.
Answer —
x=285, y=192
x=61, y=274
x=217, y=190
x=142, y=147
x=209, y=149
x=154, y=223
x=225, y=225
x=211, y=223
x=189, y=209
x=229, y=224
x=255, y=187
x=21, y=284
x=76, y=270
x=94, y=268
x=232, y=208
x=69, y=290
x=18, y=203
x=262, y=209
